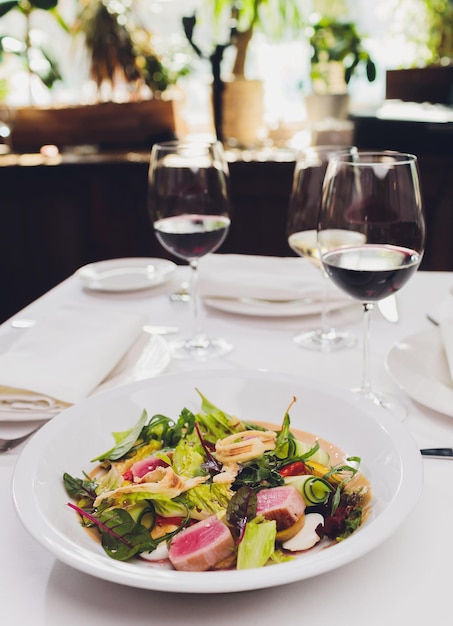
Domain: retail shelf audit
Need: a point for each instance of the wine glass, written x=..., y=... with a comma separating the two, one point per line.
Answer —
x=378, y=195
x=189, y=208
x=304, y=205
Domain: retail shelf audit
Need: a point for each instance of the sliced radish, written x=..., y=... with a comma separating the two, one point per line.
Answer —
x=307, y=537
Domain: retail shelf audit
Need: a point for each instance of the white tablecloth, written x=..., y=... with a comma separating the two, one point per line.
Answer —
x=407, y=580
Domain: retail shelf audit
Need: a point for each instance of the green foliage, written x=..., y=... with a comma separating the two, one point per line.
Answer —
x=275, y=18
x=49, y=73
x=26, y=6
x=440, y=29
x=121, y=47
x=7, y=5
x=332, y=40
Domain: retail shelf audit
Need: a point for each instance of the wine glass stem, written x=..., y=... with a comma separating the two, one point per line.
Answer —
x=325, y=308
x=366, y=381
x=197, y=325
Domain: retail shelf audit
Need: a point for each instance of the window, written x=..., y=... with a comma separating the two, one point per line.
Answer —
x=395, y=33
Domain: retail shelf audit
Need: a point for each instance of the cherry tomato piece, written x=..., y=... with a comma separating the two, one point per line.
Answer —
x=297, y=468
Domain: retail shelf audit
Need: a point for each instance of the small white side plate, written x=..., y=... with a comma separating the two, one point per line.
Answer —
x=418, y=364
x=125, y=274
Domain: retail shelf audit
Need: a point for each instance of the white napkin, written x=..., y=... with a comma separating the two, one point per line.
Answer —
x=258, y=277
x=66, y=355
x=446, y=330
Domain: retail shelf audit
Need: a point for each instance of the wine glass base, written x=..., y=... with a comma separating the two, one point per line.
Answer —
x=200, y=348
x=325, y=341
x=384, y=400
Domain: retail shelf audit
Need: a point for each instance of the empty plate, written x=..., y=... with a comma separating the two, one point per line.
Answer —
x=125, y=274
x=418, y=364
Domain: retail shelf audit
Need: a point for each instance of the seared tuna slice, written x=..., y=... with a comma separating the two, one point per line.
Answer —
x=201, y=546
x=139, y=469
x=283, y=504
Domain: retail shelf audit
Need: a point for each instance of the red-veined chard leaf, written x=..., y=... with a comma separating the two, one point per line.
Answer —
x=211, y=465
x=241, y=508
x=128, y=537
x=121, y=537
x=78, y=488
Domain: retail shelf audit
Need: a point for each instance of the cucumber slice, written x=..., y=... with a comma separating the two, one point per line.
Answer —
x=313, y=489
x=320, y=456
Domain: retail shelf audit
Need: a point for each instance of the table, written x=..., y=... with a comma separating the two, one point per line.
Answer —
x=406, y=580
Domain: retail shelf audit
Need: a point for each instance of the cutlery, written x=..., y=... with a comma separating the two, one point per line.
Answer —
x=389, y=309
x=9, y=444
x=438, y=453
x=432, y=320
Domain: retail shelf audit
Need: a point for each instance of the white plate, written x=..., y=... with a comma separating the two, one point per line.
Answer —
x=125, y=274
x=268, y=308
x=390, y=460
x=418, y=364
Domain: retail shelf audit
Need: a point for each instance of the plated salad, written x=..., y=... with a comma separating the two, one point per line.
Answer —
x=210, y=491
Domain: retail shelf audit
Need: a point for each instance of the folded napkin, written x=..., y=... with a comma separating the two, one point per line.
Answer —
x=258, y=277
x=446, y=330
x=65, y=356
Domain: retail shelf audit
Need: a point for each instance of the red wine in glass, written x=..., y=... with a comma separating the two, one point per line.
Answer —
x=377, y=195
x=190, y=212
x=371, y=272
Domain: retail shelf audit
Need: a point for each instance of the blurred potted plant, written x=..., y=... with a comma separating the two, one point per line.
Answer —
x=440, y=31
x=429, y=78
x=45, y=68
x=238, y=100
x=337, y=53
x=122, y=61
x=121, y=50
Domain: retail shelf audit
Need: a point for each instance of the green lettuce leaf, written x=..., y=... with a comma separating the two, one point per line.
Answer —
x=258, y=543
x=215, y=423
x=162, y=504
x=207, y=499
x=186, y=461
x=110, y=481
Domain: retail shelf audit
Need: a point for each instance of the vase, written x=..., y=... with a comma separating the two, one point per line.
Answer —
x=326, y=106
x=243, y=112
